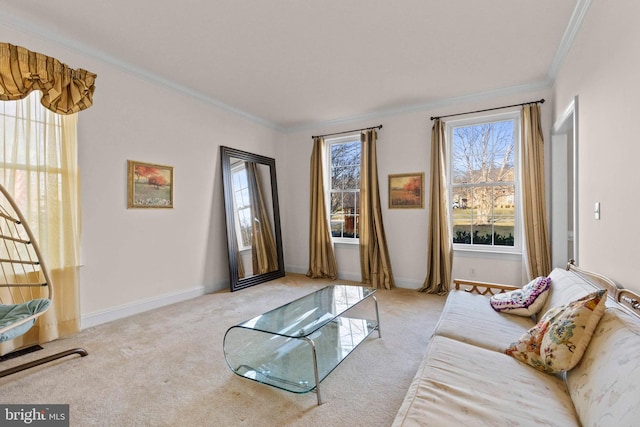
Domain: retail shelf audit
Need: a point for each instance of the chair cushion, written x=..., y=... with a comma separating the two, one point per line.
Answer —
x=12, y=313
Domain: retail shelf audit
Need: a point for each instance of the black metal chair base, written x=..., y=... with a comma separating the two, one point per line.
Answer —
x=82, y=352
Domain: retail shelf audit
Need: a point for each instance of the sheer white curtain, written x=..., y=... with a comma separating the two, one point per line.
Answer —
x=39, y=167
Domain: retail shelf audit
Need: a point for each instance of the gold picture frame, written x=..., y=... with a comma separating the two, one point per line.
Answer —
x=406, y=191
x=150, y=185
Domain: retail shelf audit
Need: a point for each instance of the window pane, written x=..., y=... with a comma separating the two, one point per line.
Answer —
x=484, y=215
x=246, y=201
x=504, y=215
x=244, y=215
x=483, y=153
x=483, y=183
x=336, y=203
x=336, y=227
x=462, y=215
x=345, y=166
x=344, y=185
x=346, y=154
x=236, y=180
x=345, y=178
x=338, y=177
x=336, y=215
x=349, y=209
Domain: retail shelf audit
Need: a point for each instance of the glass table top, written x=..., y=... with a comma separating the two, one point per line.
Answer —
x=306, y=315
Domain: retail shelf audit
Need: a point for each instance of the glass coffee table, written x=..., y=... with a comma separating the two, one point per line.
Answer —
x=295, y=346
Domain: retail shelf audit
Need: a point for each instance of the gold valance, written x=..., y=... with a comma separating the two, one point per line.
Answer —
x=64, y=90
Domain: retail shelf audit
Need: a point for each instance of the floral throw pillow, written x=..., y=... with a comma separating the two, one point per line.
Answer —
x=523, y=302
x=560, y=338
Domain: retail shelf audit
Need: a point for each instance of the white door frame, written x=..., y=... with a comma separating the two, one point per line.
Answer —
x=564, y=134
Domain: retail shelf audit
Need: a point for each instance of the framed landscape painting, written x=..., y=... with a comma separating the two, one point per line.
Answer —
x=406, y=191
x=150, y=186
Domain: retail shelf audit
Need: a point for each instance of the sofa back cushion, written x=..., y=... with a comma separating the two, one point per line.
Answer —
x=605, y=385
x=566, y=286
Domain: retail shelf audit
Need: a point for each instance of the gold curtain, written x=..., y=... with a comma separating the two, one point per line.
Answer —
x=263, y=246
x=536, y=235
x=440, y=246
x=64, y=90
x=375, y=263
x=241, y=273
x=322, y=260
x=39, y=167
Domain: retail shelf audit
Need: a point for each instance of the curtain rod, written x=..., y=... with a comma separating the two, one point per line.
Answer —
x=489, y=109
x=347, y=131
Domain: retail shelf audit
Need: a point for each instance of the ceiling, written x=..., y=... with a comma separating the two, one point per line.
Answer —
x=291, y=64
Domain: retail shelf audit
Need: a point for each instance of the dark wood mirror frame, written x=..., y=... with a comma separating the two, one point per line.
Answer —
x=237, y=283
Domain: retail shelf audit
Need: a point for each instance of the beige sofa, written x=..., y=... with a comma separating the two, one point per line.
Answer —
x=466, y=379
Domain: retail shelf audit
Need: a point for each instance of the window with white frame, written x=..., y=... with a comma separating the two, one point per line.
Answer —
x=484, y=182
x=242, y=205
x=343, y=187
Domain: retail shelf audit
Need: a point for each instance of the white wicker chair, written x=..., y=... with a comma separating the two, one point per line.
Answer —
x=25, y=286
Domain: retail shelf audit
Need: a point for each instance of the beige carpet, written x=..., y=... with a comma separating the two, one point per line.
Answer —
x=166, y=367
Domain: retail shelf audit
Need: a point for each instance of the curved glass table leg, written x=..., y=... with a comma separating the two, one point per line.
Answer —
x=377, y=316
x=315, y=368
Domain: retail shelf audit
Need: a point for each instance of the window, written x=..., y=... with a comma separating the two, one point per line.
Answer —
x=484, y=182
x=344, y=187
x=31, y=155
x=242, y=204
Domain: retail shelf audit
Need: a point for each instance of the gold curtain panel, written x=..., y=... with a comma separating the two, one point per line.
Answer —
x=64, y=90
x=322, y=259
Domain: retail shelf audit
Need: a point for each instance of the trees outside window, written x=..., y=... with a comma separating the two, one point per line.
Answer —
x=343, y=155
x=484, y=182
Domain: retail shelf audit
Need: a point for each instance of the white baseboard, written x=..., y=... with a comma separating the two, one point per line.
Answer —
x=401, y=282
x=405, y=283
x=295, y=269
x=136, y=307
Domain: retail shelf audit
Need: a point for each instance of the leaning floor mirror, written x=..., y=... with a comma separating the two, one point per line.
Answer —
x=253, y=218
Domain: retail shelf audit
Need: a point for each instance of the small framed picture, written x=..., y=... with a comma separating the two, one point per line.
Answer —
x=150, y=186
x=406, y=191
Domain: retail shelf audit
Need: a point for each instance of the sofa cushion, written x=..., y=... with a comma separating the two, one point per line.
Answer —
x=463, y=385
x=523, y=302
x=469, y=318
x=566, y=286
x=558, y=341
x=605, y=385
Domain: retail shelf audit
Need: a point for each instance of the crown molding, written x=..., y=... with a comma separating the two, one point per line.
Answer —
x=144, y=74
x=577, y=18
x=575, y=23
x=421, y=107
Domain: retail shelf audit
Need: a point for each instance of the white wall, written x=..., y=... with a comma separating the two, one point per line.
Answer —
x=403, y=146
x=135, y=259
x=146, y=256
x=602, y=69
